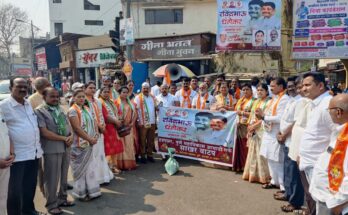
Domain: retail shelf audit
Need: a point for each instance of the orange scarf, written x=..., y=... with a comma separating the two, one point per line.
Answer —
x=274, y=110
x=95, y=109
x=186, y=95
x=241, y=107
x=142, y=103
x=198, y=103
x=336, y=168
x=222, y=100
x=237, y=93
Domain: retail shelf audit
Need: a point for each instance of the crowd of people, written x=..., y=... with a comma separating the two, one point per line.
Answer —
x=291, y=136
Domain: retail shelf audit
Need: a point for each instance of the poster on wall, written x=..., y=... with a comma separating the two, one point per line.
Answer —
x=320, y=29
x=248, y=25
x=198, y=134
x=126, y=32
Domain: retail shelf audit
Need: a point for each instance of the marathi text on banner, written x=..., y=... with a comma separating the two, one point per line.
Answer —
x=320, y=29
x=198, y=134
x=248, y=25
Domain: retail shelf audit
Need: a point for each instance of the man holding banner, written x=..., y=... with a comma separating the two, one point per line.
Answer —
x=186, y=94
x=203, y=100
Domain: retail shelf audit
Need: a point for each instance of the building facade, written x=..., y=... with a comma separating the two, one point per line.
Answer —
x=158, y=18
x=91, y=17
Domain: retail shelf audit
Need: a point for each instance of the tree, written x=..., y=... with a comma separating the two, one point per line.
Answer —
x=10, y=28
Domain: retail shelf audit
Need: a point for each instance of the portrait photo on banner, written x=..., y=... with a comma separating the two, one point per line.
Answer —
x=249, y=25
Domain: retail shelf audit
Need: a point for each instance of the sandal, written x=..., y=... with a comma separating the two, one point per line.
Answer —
x=288, y=208
x=55, y=211
x=279, y=192
x=115, y=170
x=67, y=203
x=269, y=186
x=280, y=197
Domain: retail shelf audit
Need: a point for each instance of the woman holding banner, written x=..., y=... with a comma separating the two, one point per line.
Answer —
x=243, y=109
x=256, y=168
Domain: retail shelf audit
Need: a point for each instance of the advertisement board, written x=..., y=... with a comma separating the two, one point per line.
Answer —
x=320, y=29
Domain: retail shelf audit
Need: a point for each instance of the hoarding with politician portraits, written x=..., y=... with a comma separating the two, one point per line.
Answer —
x=249, y=25
x=320, y=29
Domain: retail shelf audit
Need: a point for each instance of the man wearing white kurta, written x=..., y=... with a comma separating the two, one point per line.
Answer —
x=292, y=182
x=203, y=100
x=270, y=148
x=186, y=94
x=6, y=161
x=316, y=136
x=165, y=99
x=332, y=199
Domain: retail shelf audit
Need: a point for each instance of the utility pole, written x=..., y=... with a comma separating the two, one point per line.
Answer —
x=129, y=48
x=32, y=48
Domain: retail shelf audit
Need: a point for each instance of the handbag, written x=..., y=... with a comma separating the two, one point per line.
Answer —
x=124, y=131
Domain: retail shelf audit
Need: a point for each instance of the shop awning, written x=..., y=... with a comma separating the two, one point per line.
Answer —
x=337, y=70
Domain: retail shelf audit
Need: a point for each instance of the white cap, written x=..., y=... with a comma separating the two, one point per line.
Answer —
x=76, y=85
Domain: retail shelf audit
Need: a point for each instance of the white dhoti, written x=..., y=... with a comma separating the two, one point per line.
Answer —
x=4, y=178
x=276, y=170
x=103, y=173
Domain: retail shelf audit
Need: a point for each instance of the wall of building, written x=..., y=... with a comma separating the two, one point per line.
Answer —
x=73, y=15
x=198, y=16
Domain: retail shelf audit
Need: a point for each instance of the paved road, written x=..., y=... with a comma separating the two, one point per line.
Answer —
x=195, y=190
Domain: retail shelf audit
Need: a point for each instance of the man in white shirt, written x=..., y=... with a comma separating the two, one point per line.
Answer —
x=254, y=82
x=146, y=105
x=155, y=90
x=300, y=117
x=186, y=94
x=270, y=148
x=294, y=193
x=165, y=99
x=194, y=84
x=331, y=191
x=25, y=136
x=6, y=159
x=316, y=136
x=203, y=100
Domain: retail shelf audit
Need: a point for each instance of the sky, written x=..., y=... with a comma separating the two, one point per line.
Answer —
x=37, y=11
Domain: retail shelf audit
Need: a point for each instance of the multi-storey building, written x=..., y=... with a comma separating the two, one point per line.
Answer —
x=90, y=17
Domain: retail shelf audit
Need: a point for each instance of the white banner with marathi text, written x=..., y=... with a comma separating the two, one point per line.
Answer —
x=198, y=134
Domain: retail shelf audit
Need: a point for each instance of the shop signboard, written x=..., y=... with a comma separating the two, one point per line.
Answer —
x=189, y=46
x=253, y=25
x=320, y=29
x=94, y=57
x=41, y=59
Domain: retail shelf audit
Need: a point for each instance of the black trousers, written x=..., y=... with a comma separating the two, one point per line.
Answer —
x=292, y=181
x=22, y=187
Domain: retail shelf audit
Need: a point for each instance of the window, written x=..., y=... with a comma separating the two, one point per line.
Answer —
x=163, y=16
x=93, y=22
x=57, y=1
x=58, y=29
x=89, y=6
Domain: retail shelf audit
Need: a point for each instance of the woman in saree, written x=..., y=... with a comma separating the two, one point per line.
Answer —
x=131, y=96
x=128, y=116
x=113, y=144
x=256, y=168
x=243, y=108
x=224, y=101
x=86, y=186
x=103, y=173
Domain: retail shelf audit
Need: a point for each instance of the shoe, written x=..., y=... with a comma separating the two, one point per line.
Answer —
x=143, y=160
x=151, y=159
x=70, y=187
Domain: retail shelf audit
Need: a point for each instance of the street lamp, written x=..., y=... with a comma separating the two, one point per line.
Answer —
x=32, y=40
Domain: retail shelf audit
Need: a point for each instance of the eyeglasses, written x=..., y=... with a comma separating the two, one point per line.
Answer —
x=334, y=108
x=116, y=82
